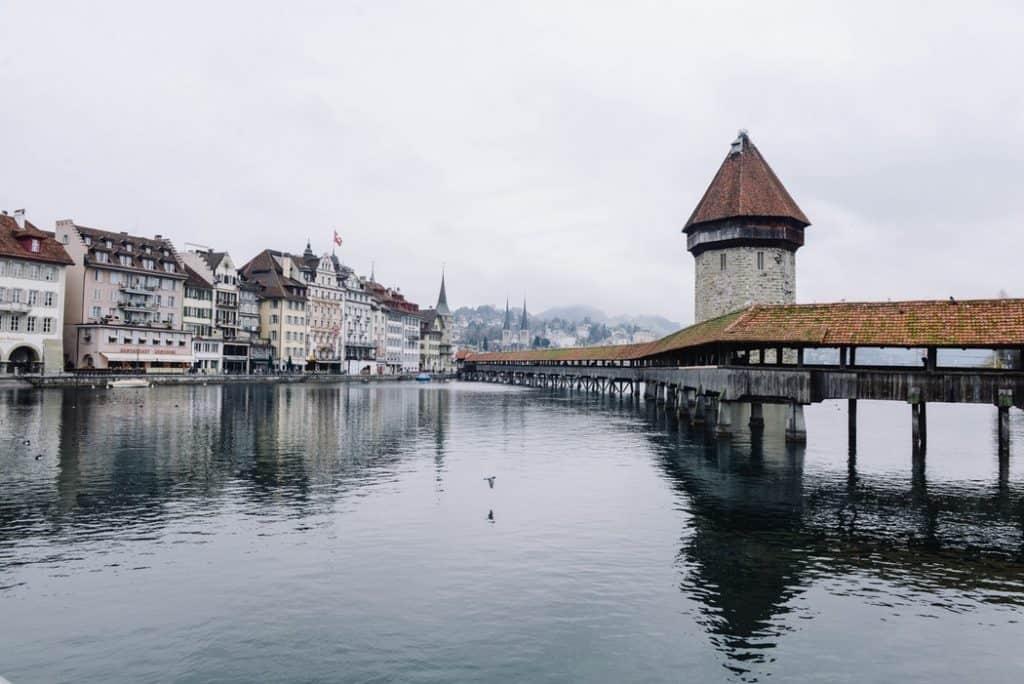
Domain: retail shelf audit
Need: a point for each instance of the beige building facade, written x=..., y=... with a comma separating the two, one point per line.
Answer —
x=123, y=283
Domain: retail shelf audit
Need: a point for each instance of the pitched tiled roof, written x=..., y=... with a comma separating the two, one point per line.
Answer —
x=213, y=259
x=196, y=280
x=745, y=186
x=11, y=238
x=118, y=248
x=979, y=323
x=265, y=270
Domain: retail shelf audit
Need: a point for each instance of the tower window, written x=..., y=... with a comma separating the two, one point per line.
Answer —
x=760, y=261
x=721, y=261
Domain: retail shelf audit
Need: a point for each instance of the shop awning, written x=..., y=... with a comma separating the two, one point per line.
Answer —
x=122, y=357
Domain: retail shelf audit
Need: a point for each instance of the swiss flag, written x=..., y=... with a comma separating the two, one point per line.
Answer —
x=337, y=239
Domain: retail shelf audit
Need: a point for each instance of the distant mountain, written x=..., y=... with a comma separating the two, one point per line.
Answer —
x=573, y=313
x=658, y=324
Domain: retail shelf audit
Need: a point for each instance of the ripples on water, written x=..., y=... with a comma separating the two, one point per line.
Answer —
x=346, y=533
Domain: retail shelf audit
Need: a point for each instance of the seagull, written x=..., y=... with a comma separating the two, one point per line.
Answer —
x=490, y=515
x=490, y=481
x=951, y=300
x=38, y=456
x=26, y=442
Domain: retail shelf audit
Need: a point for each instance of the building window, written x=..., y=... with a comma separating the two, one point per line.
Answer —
x=760, y=261
x=15, y=323
x=721, y=261
x=30, y=324
x=34, y=245
x=97, y=312
x=47, y=325
x=33, y=297
x=102, y=258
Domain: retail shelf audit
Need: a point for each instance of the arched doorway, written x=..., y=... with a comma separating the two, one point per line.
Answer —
x=23, y=360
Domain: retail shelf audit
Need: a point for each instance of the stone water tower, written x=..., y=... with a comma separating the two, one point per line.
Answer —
x=743, y=235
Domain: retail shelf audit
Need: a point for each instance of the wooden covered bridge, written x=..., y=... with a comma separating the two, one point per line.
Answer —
x=798, y=354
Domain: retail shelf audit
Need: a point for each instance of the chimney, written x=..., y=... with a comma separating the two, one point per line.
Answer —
x=19, y=218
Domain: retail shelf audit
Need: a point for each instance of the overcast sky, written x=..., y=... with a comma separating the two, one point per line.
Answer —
x=549, y=149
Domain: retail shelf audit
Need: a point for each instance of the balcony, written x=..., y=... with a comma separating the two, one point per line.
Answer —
x=129, y=305
x=15, y=307
x=144, y=290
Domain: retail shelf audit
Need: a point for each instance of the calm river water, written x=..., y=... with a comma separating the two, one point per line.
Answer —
x=346, y=533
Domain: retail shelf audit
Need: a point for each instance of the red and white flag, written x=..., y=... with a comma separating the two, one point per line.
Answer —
x=337, y=239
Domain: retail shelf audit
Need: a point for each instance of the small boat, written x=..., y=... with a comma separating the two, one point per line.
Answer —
x=129, y=382
x=423, y=377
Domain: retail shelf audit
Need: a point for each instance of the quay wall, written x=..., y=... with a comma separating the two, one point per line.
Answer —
x=98, y=381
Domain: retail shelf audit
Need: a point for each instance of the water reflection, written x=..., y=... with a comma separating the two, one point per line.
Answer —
x=113, y=463
x=764, y=531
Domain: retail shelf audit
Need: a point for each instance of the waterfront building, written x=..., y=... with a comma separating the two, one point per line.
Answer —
x=430, y=341
x=284, y=309
x=326, y=293
x=124, y=301
x=198, y=319
x=744, y=234
x=219, y=269
x=401, y=322
x=436, y=336
x=260, y=351
x=358, y=322
x=32, y=285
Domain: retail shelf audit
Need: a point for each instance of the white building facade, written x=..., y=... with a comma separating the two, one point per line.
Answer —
x=32, y=288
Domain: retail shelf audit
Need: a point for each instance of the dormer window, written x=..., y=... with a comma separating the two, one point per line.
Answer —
x=147, y=264
x=128, y=247
x=147, y=249
x=169, y=267
x=88, y=241
x=34, y=245
x=102, y=258
x=108, y=244
x=124, y=258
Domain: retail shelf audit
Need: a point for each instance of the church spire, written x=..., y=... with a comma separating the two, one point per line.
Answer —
x=442, y=299
x=508, y=316
x=524, y=322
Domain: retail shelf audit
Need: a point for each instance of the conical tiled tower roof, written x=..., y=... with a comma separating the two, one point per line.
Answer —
x=745, y=186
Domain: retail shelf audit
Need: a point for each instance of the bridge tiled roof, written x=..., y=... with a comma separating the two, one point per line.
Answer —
x=932, y=323
x=980, y=323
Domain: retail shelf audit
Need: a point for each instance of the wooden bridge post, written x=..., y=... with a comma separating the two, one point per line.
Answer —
x=918, y=422
x=1004, y=401
x=670, y=396
x=711, y=403
x=796, y=428
x=724, y=422
x=699, y=409
x=851, y=424
x=684, y=403
x=756, y=415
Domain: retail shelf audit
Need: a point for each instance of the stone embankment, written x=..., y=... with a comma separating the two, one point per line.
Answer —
x=74, y=380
